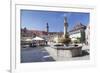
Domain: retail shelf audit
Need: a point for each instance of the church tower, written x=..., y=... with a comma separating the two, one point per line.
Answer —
x=47, y=28
x=65, y=26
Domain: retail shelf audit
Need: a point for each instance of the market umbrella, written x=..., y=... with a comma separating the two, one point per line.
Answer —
x=38, y=38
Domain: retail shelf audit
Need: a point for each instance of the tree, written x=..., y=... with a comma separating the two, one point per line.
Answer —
x=25, y=29
x=65, y=40
x=82, y=39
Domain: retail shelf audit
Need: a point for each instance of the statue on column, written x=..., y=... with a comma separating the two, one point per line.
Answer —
x=65, y=27
x=65, y=39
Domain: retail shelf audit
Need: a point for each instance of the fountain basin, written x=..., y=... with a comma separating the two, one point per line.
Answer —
x=65, y=51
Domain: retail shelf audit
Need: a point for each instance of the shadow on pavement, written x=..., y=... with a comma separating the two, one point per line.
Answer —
x=37, y=54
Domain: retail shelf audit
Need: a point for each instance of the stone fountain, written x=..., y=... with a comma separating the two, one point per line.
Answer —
x=66, y=50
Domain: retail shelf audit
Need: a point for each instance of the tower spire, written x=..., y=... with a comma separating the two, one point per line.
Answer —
x=47, y=27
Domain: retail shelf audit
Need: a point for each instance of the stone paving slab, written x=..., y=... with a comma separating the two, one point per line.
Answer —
x=36, y=54
x=44, y=54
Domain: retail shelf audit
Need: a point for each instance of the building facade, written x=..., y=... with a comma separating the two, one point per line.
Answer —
x=78, y=33
x=87, y=35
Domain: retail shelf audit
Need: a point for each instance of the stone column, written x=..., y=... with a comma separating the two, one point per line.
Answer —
x=65, y=26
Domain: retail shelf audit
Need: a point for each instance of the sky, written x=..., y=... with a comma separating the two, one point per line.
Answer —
x=36, y=20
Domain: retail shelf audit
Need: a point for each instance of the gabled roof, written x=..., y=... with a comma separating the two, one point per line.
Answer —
x=78, y=27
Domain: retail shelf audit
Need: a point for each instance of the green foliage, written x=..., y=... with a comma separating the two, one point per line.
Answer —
x=78, y=40
x=65, y=39
x=82, y=37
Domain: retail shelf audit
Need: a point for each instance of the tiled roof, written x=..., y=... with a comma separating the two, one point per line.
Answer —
x=78, y=27
x=38, y=32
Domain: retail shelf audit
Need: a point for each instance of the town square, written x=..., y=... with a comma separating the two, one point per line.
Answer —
x=54, y=36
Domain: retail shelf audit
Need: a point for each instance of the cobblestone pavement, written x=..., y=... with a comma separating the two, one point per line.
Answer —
x=37, y=54
x=41, y=54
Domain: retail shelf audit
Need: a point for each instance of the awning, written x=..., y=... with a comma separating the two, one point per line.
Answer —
x=38, y=38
